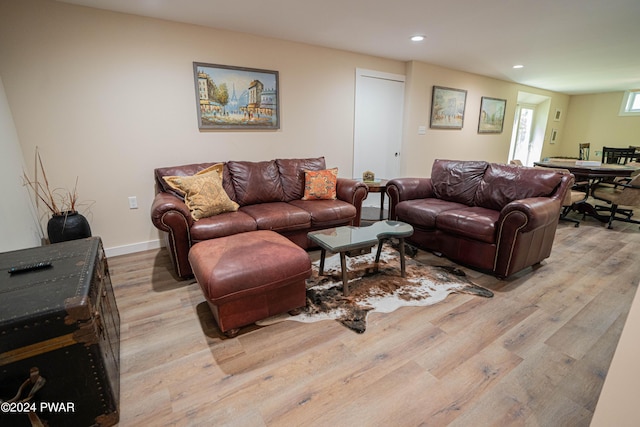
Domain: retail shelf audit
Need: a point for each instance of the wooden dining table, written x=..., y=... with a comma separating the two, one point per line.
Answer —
x=592, y=174
x=589, y=171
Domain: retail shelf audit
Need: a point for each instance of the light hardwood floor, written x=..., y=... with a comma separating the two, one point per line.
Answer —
x=536, y=354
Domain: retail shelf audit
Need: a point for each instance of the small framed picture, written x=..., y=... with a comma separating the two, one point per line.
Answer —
x=491, y=115
x=447, y=108
x=558, y=115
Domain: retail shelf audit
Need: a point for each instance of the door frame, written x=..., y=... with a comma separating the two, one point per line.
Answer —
x=360, y=74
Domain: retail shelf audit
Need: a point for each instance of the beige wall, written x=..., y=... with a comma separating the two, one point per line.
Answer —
x=467, y=143
x=108, y=97
x=18, y=224
x=594, y=119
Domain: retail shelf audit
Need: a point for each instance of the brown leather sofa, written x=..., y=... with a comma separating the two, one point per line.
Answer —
x=269, y=194
x=492, y=217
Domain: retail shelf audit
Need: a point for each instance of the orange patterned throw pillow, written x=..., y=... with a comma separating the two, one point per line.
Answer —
x=320, y=185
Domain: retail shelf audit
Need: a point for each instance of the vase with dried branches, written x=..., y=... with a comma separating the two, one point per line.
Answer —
x=66, y=223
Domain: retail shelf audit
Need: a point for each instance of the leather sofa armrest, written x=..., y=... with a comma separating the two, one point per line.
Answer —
x=538, y=212
x=526, y=230
x=354, y=192
x=401, y=189
x=164, y=203
x=171, y=215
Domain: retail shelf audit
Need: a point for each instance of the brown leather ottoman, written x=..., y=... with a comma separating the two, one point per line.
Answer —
x=250, y=276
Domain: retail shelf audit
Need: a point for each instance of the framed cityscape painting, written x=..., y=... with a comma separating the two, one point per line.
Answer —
x=491, y=115
x=447, y=108
x=236, y=97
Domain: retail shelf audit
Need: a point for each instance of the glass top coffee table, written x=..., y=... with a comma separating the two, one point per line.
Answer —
x=350, y=239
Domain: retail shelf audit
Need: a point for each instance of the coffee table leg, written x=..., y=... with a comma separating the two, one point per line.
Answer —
x=378, y=252
x=381, y=205
x=345, y=277
x=323, y=254
x=402, y=261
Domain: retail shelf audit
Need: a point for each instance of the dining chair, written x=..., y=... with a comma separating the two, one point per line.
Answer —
x=621, y=156
x=627, y=179
x=572, y=197
x=620, y=194
x=584, y=151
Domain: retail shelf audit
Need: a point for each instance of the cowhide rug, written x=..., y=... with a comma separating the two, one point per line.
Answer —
x=382, y=291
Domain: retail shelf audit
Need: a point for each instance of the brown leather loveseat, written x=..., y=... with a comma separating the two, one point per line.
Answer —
x=492, y=217
x=269, y=195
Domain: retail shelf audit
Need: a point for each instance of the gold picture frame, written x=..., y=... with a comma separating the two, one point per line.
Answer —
x=236, y=97
x=491, y=118
x=447, y=108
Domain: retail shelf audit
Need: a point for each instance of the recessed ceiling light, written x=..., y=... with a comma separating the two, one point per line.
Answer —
x=417, y=38
x=518, y=66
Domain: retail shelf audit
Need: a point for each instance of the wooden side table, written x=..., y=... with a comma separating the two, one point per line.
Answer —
x=378, y=186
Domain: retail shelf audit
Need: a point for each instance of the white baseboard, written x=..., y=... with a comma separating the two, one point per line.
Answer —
x=134, y=247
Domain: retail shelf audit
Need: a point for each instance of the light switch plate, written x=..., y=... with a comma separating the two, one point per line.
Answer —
x=133, y=202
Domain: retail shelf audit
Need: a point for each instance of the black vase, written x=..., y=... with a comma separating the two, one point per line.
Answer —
x=69, y=225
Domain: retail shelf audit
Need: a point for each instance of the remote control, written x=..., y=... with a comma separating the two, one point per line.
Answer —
x=30, y=267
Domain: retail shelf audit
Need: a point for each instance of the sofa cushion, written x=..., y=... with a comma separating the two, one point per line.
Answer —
x=292, y=175
x=502, y=184
x=256, y=182
x=320, y=185
x=327, y=212
x=457, y=181
x=475, y=222
x=203, y=193
x=278, y=216
x=422, y=213
x=222, y=225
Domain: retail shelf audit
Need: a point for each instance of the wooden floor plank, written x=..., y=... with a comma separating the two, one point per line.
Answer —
x=461, y=388
x=587, y=377
x=536, y=354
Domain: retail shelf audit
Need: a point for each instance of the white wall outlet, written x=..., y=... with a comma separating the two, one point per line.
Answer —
x=422, y=130
x=133, y=202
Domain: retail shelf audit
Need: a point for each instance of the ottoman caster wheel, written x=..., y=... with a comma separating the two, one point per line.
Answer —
x=232, y=333
x=295, y=311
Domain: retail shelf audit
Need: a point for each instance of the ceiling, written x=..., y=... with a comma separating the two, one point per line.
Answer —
x=568, y=46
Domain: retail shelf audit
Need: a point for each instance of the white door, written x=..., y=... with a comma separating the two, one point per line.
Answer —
x=379, y=105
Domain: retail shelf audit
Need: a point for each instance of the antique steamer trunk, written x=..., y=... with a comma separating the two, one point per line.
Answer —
x=59, y=337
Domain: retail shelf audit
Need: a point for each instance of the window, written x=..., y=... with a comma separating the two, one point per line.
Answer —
x=524, y=145
x=630, y=103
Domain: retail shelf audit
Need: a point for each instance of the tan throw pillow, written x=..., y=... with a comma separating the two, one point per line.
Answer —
x=203, y=193
x=320, y=185
x=219, y=167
